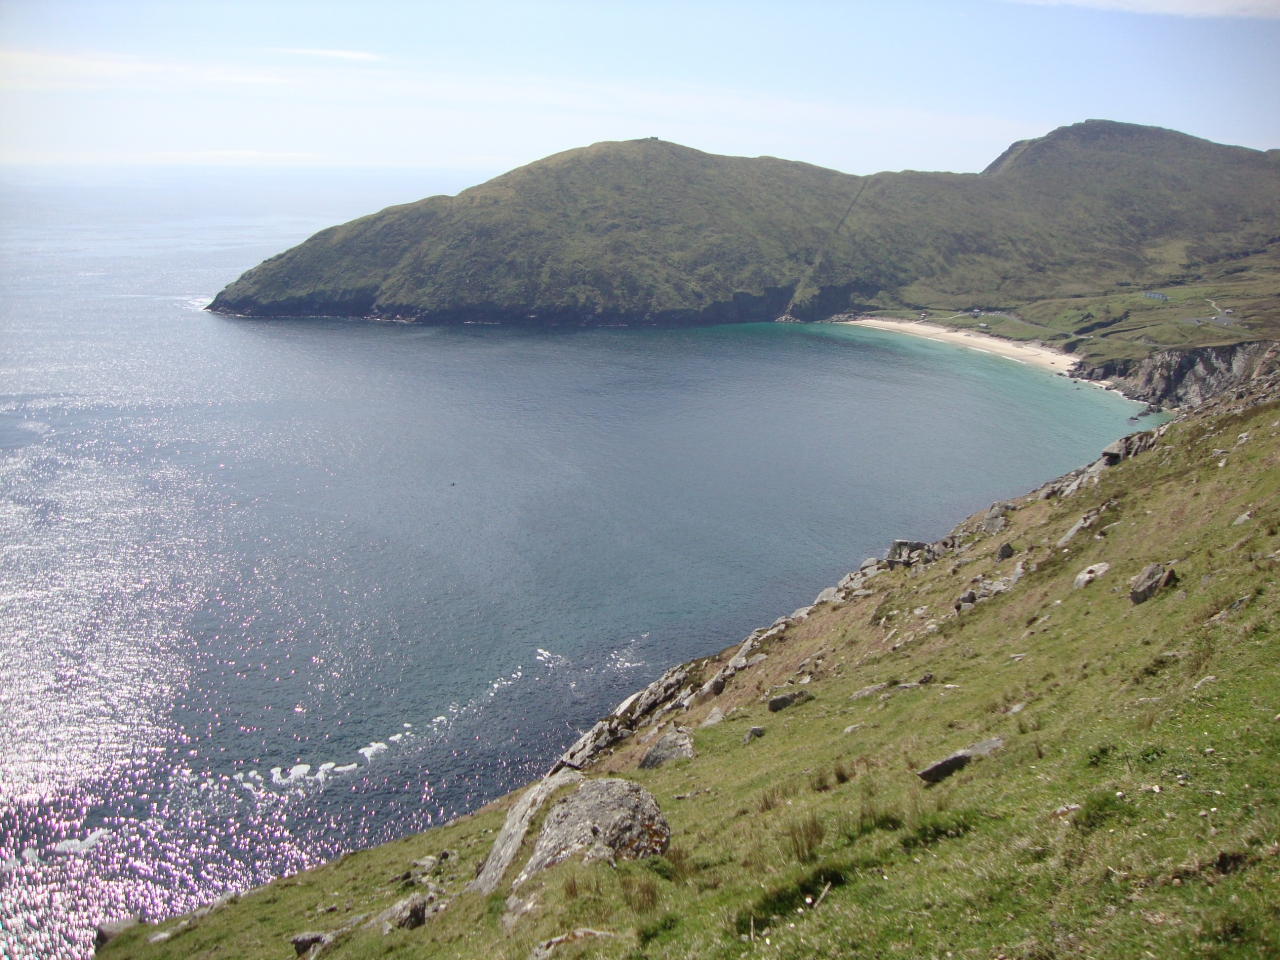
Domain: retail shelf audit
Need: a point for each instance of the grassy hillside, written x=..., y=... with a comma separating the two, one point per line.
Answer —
x=652, y=232
x=1132, y=811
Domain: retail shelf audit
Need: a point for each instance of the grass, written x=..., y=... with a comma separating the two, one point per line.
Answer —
x=1057, y=243
x=1058, y=845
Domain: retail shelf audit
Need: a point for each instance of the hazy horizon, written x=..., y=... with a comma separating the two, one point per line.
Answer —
x=926, y=85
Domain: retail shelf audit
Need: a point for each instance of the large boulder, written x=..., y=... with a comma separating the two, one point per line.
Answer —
x=1153, y=578
x=675, y=744
x=603, y=819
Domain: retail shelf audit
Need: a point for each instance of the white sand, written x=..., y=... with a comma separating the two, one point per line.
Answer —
x=1039, y=356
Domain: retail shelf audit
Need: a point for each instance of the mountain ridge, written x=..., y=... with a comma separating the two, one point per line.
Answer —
x=650, y=232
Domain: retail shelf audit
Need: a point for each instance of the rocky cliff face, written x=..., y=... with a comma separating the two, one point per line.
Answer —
x=1188, y=377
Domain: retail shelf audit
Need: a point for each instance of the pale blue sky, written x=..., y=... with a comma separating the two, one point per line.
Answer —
x=486, y=86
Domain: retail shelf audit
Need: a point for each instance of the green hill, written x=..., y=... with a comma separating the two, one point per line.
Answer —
x=652, y=232
x=1132, y=808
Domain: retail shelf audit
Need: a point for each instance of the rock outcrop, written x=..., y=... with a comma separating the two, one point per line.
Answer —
x=674, y=744
x=507, y=845
x=1187, y=377
x=603, y=820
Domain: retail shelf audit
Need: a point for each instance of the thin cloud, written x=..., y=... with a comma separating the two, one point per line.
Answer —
x=331, y=54
x=1240, y=9
x=38, y=70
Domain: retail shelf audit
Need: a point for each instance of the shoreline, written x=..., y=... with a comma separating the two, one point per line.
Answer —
x=1038, y=356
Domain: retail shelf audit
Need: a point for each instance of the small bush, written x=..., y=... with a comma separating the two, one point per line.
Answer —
x=1151, y=754
x=804, y=837
x=1099, y=755
x=641, y=895
x=651, y=931
x=680, y=862
x=870, y=818
x=1100, y=808
x=820, y=783
x=769, y=799
x=661, y=866
x=571, y=887
x=930, y=828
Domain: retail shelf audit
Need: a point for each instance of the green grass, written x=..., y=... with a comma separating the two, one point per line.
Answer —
x=1055, y=846
x=1064, y=233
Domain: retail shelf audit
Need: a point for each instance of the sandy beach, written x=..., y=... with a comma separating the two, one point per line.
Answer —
x=1039, y=356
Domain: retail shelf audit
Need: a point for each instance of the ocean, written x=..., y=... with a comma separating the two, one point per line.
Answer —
x=274, y=590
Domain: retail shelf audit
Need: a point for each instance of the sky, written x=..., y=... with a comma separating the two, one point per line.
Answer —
x=487, y=86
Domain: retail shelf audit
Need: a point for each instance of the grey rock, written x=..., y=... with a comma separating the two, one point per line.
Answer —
x=868, y=563
x=1114, y=452
x=867, y=691
x=675, y=744
x=753, y=734
x=1153, y=578
x=507, y=844
x=1005, y=551
x=617, y=813
x=941, y=769
x=106, y=932
x=1090, y=574
x=1076, y=528
x=405, y=914
x=1243, y=518
x=993, y=521
x=714, y=717
x=302, y=942
x=546, y=948
x=829, y=595
x=969, y=596
x=784, y=700
x=903, y=551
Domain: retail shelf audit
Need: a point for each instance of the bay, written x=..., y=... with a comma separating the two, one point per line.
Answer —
x=270, y=591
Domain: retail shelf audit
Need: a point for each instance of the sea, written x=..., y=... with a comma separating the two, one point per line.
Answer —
x=275, y=590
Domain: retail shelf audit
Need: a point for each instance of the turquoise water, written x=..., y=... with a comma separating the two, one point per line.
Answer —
x=399, y=566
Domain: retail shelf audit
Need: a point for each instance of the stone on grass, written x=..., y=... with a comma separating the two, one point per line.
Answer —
x=546, y=948
x=106, y=932
x=941, y=769
x=757, y=732
x=302, y=942
x=675, y=744
x=404, y=914
x=867, y=691
x=618, y=815
x=1153, y=578
x=1005, y=551
x=714, y=717
x=1090, y=574
x=784, y=700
